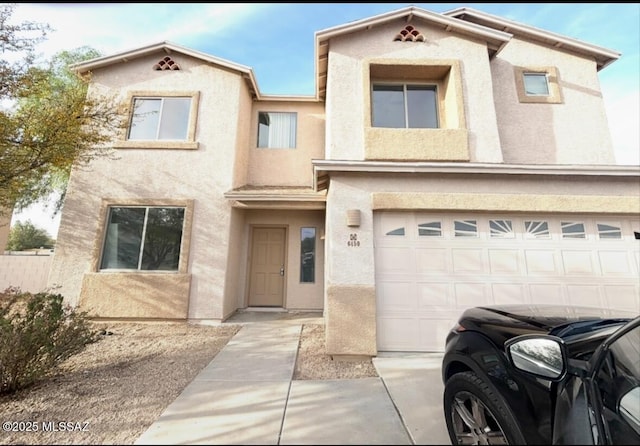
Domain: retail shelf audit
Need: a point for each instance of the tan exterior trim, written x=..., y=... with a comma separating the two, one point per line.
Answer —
x=350, y=320
x=134, y=295
x=189, y=143
x=506, y=202
x=186, y=231
x=555, y=94
x=416, y=144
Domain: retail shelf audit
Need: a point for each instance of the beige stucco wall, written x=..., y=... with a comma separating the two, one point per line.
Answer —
x=572, y=132
x=287, y=167
x=350, y=320
x=243, y=144
x=135, y=295
x=201, y=175
x=350, y=268
x=348, y=86
x=298, y=296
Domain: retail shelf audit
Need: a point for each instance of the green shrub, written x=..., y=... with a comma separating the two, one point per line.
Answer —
x=37, y=332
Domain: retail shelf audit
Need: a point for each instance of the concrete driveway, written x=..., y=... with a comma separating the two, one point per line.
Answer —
x=415, y=386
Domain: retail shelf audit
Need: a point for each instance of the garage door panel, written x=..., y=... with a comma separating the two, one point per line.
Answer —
x=509, y=293
x=577, y=262
x=397, y=260
x=541, y=262
x=397, y=296
x=504, y=261
x=589, y=295
x=468, y=260
x=427, y=274
x=435, y=296
x=433, y=333
x=399, y=333
x=471, y=294
x=620, y=296
x=431, y=260
x=546, y=293
x=614, y=262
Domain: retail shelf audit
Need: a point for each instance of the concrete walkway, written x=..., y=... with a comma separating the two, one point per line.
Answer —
x=246, y=395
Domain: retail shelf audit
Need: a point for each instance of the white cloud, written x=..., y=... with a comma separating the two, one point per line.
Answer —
x=111, y=28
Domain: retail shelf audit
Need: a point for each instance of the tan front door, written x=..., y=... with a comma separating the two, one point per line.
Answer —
x=266, y=287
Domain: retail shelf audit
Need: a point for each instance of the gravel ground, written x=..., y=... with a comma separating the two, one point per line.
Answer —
x=113, y=390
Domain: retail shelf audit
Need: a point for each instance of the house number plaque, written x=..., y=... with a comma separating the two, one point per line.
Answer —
x=353, y=241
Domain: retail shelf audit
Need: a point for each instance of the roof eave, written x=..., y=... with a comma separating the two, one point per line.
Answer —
x=167, y=47
x=603, y=56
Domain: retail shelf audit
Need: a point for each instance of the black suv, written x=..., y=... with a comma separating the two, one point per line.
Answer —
x=526, y=374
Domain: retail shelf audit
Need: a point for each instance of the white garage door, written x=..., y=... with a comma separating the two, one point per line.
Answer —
x=429, y=268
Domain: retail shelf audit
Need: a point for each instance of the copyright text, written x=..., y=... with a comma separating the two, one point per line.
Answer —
x=45, y=426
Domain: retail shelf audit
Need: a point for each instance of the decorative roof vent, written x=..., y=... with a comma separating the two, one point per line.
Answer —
x=166, y=64
x=409, y=34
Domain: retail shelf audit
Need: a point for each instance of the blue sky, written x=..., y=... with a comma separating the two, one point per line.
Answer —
x=277, y=41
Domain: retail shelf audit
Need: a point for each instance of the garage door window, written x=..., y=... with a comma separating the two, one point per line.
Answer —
x=398, y=231
x=466, y=228
x=572, y=229
x=430, y=229
x=501, y=229
x=609, y=231
x=536, y=229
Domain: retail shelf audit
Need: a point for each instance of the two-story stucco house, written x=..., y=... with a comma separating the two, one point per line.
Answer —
x=445, y=161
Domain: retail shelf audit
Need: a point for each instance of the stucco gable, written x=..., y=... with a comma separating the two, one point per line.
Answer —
x=167, y=60
x=495, y=39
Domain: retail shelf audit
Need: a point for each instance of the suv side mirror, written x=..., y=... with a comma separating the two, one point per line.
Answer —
x=542, y=356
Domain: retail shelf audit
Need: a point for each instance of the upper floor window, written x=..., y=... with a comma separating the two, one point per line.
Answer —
x=160, y=118
x=143, y=238
x=277, y=130
x=539, y=85
x=404, y=106
x=536, y=84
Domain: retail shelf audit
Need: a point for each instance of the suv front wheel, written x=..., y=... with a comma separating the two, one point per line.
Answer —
x=475, y=415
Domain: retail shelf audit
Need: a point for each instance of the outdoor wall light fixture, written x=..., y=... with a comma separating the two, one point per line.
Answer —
x=353, y=217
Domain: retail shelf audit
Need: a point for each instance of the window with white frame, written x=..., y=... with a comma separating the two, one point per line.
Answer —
x=160, y=118
x=404, y=106
x=536, y=84
x=277, y=130
x=145, y=238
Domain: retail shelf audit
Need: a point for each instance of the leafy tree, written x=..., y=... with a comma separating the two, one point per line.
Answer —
x=27, y=236
x=51, y=125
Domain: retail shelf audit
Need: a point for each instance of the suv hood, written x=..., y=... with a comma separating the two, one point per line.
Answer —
x=502, y=322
